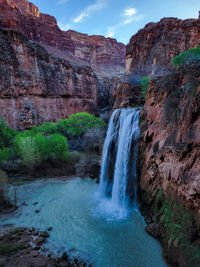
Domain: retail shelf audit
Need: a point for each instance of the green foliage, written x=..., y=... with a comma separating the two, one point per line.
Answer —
x=144, y=83
x=42, y=145
x=4, y=154
x=78, y=124
x=187, y=57
x=27, y=149
x=46, y=128
x=7, y=134
x=58, y=147
x=177, y=222
x=36, y=149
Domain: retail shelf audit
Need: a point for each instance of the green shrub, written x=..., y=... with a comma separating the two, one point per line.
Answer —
x=57, y=147
x=42, y=145
x=27, y=149
x=144, y=83
x=4, y=154
x=187, y=57
x=78, y=124
x=7, y=134
x=36, y=149
x=46, y=128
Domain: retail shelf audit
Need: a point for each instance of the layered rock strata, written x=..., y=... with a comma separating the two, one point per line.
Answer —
x=102, y=54
x=36, y=86
x=152, y=48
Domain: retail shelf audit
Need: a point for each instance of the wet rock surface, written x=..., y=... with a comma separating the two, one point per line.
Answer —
x=24, y=247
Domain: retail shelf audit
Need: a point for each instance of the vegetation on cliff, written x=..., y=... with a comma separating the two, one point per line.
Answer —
x=144, y=83
x=175, y=226
x=187, y=57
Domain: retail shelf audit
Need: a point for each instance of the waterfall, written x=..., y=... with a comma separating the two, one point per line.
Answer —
x=118, y=179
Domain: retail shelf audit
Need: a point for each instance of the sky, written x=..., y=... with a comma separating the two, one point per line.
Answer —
x=118, y=19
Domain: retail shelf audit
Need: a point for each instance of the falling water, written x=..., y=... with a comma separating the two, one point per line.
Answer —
x=120, y=152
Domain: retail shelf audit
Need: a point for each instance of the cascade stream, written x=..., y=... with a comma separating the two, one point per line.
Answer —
x=118, y=178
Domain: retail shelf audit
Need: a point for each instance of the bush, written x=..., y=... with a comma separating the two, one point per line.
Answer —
x=78, y=124
x=36, y=149
x=187, y=57
x=46, y=128
x=57, y=147
x=7, y=134
x=27, y=149
x=4, y=154
x=144, y=83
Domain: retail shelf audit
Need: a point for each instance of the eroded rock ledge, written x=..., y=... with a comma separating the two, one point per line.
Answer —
x=169, y=159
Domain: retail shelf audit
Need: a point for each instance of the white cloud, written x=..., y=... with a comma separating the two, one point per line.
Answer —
x=129, y=12
x=127, y=21
x=130, y=15
x=63, y=26
x=100, y=4
x=110, y=31
x=134, y=18
x=110, y=34
x=62, y=2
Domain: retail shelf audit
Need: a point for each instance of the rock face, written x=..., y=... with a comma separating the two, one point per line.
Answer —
x=36, y=86
x=151, y=50
x=102, y=54
x=169, y=162
x=171, y=140
x=128, y=96
x=55, y=74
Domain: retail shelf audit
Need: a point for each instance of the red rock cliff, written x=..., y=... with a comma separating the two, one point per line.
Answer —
x=151, y=50
x=36, y=86
x=103, y=54
x=169, y=159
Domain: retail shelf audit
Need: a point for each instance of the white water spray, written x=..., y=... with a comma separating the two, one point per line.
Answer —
x=120, y=149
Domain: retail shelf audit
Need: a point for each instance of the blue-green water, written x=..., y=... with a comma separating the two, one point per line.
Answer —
x=83, y=224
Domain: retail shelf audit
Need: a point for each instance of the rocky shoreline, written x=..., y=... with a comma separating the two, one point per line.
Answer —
x=24, y=247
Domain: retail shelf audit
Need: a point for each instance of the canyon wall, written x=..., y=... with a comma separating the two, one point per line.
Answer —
x=151, y=50
x=171, y=141
x=104, y=55
x=36, y=86
x=169, y=163
x=48, y=74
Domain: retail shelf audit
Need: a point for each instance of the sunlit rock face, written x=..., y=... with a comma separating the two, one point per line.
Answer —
x=55, y=74
x=170, y=126
x=102, y=54
x=151, y=50
x=36, y=86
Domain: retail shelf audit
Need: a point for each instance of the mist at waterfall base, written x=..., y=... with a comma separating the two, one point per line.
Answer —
x=99, y=224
